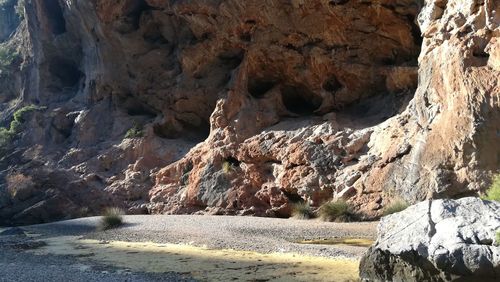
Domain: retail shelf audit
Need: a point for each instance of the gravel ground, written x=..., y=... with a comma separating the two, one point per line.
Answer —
x=263, y=235
x=16, y=265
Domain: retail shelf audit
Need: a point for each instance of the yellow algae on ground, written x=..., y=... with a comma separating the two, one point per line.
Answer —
x=205, y=264
x=357, y=242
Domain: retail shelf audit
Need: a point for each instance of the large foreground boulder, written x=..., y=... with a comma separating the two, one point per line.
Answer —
x=440, y=240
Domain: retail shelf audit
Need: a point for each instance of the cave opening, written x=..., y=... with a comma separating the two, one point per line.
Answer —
x=185, y=131
x=300, y=100
x=234, y=162
x=65, y=71
x=231, y=59
x=258, y=87
x=337, y=2
x=332, y=85
x=134, y=12
x=480, y=55
x=140, y=110
x=137, y=108
x=54, y=16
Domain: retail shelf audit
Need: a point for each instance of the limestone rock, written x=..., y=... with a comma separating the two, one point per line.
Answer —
x=247, y=106
x=438, y=240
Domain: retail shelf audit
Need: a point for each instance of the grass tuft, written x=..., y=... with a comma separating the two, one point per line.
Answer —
x=395, y=207
x=227, y=167
x=112, y=218
x=337, y=211
x=302, y=211
x=493, y=193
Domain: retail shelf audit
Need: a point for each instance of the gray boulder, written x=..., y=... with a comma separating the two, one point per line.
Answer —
x=439, y=240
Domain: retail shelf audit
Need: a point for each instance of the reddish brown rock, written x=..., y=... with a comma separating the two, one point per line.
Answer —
x=245, y=107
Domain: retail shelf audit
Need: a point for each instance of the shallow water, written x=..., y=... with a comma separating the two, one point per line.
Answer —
x=203, y=263
x=357, y=242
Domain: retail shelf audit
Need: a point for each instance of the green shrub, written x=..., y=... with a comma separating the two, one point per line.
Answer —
x=135, y=132
x=20, y=115
x=498, y=238
x=7, y=58
x=7, y=134
x=20, y=8
x=493, y=193
x=112, y=218
x=335, y=211
x=302, y=211
x=394, y=207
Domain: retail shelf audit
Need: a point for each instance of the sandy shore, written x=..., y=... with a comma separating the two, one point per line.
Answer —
x=207, y=248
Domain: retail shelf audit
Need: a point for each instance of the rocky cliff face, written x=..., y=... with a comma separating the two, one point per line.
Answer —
x=244, y=107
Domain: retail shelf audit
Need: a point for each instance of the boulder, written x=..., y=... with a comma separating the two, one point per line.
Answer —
x=439, y=240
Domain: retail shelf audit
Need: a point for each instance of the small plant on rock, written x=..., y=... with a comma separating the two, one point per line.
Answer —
x=493, y=193
x=302, y=210
x=337, y=211
x=112, y=218
x=135, y=132
x=7, y=58
x=227, y=167
x=8, y=134
x=20, y=8
x=394, y=207
x=498, y=238
x=230, y=164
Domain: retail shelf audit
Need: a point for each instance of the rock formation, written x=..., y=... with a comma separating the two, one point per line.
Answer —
x=244, y=107
x=439, y=240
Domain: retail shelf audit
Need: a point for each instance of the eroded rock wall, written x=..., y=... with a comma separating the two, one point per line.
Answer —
x=246, y=107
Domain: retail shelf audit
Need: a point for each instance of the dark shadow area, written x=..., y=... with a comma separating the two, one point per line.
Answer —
x=73, y=227
x=258, y=87
x=292, y=196
x=374, y=110
x=480, y=55
x=415, y=31
x=233, y=161
x=188, y=132
x=299, y=100
x=134, y=12
x=337, y=2
x=332, y=85
x=231, y=59
x=66, y=71
x=54, y=16
x=134, y=107
x=152, y=32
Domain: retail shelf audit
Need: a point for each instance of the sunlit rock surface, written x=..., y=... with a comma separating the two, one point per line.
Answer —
x=440, y=240
x=248, y=106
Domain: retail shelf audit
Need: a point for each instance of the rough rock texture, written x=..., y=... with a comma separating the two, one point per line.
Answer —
x=249, y=106
x=439, y=240
x=10, y=20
